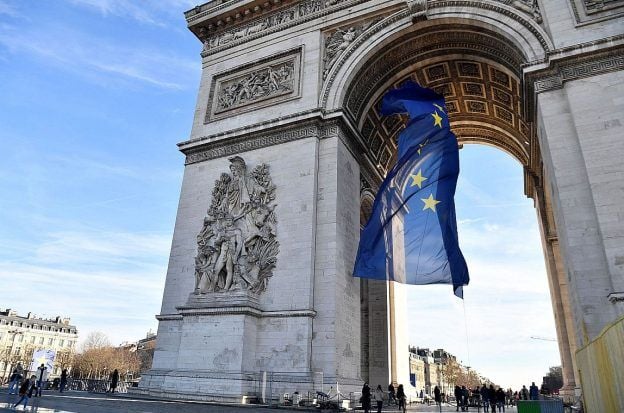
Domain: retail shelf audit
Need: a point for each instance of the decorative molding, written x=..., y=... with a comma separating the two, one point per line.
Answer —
x=216, y=40
x=237, y=246
x=168, y=317
x=595, y=11
x=616, y=297
x=576, y=67
x=254, y=85
x=244, y=310
x=249, y=142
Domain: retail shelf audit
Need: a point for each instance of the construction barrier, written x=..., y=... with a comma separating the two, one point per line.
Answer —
x=540, y=406
x=601, y=367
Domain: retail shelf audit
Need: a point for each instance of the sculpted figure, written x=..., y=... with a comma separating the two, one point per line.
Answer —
x=337, y=44
x=237, y=246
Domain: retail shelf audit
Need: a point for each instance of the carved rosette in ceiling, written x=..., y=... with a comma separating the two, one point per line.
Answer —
x=237, y=246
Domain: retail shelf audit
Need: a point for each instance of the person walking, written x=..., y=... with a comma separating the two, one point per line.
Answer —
x=391, y=394
x=464, y=392
x=437, y=396
x=458, y=397
x=379, y=395
x=114, y=381
x=492, y=397
x=485, y=401
x=16, y=378
x=26, y=391
x=533, y=392
x=402, y=398
x=366, y=398
x=524, y=393
x=63, y=380
x=500, y=399
x=41, y=369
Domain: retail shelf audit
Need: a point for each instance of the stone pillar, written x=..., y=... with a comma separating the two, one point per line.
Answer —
x=579, y=127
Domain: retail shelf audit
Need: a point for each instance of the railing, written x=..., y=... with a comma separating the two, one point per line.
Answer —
x=97, y=386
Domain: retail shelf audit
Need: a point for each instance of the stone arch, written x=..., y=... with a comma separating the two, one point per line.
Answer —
x=516, y=27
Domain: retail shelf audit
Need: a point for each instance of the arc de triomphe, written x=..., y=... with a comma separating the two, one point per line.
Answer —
x=287, y=149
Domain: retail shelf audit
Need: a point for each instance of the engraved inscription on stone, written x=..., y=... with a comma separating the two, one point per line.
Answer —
x=237, y=247
x=265, y=82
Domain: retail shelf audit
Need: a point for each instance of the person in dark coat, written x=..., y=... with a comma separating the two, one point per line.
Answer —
x=437, y=396
x=26, y=390
x=16, y=378
x=391, y=394
x=500, y=399
x=458, y=397
x=465, y=393
x=63, y=380
x=115, y=380
x=492, y=397
x=533, y=392
x=366, y=398
x=402, y=398
x=485, y=401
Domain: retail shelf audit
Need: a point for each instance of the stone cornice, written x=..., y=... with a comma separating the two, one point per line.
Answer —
x=244, y=310
x=572, y=63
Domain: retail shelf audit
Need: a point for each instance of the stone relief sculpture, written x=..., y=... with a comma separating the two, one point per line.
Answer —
x=260, y=84
x=237, y=246
x=337, y=42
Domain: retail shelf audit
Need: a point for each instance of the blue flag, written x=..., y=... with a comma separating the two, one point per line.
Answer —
x=411, y=235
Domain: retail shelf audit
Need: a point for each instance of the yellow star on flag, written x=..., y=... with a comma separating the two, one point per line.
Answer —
x=430, y=203
x=418, y=179
x=437, y=119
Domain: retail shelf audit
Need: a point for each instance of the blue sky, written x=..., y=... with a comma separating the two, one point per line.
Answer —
x=94, y=96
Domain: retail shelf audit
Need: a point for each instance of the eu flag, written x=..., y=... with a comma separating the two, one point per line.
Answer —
x=411, y=235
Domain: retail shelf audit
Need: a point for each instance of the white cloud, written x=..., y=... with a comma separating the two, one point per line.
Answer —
x=143, y=12
x=506, y=303
x=102, y=60
x=107, y=281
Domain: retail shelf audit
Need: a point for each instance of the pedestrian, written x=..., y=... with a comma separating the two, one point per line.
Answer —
x=391, y=394
x=500, y=399
x=16, y=378
x=524, y=393
x=464, y=392
x=41, y=369
x=492, y=397
x=26, y=391
x=533, y=392
x=63, y=380
x=115, y=380
x=458, y=397
x=366, y=398
x=485, y=401
x=379, y=395
x=402, y=398
x=437, y=397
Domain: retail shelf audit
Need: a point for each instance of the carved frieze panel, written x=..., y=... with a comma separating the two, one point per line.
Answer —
x=590, y=11
x=259, y=84
x=237, y=246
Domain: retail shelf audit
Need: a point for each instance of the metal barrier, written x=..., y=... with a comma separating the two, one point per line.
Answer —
x=540, y=406
x=96, y=386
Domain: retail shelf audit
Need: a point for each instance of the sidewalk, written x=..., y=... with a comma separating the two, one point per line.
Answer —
x=84, y=402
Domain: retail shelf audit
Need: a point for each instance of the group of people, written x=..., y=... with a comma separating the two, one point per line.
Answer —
x=394, y=396
x=27, y=387
x=492, y=398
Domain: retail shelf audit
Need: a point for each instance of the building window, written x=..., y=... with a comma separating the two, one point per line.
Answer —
x=21, y=338
x=61, y=343
x=41, y=339
x=50, y=341
x=32, y=340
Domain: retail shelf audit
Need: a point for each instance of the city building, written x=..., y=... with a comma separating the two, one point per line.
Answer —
x=20, y=336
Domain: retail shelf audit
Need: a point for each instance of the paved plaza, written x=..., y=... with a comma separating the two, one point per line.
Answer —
x=82, y=402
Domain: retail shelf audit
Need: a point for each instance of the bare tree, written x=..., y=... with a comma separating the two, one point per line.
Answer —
x=96, y=339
